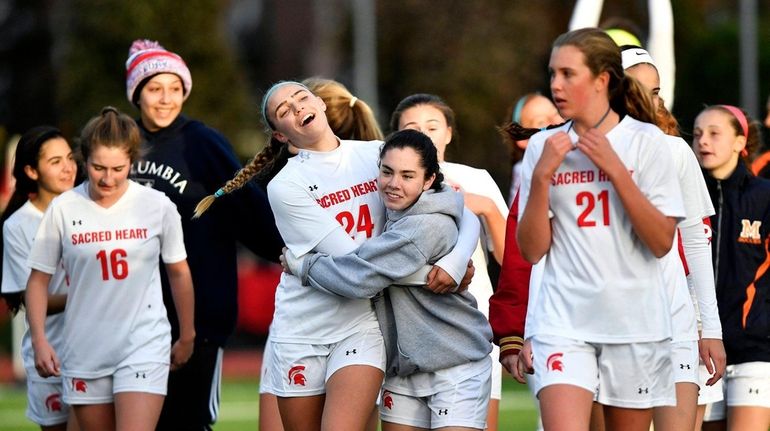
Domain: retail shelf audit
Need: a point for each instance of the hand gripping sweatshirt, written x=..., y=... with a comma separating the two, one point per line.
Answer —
x=423, y=331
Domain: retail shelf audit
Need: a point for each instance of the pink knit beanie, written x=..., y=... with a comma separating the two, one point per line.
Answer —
x=147, y=58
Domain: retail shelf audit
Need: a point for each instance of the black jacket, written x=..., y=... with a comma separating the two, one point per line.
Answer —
x=188, y=160
x=741, y=257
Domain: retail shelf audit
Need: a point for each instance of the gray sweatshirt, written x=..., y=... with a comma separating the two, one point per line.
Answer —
x=423, y=331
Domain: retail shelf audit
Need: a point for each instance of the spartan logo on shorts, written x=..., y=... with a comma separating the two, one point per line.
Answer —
x=53, y=402
x=750, y=232
x=79, y=385
x=296, y=375
x=554, y=362
x=387, y=400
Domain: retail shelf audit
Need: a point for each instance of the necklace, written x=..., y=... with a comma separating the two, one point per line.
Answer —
x=598, y=123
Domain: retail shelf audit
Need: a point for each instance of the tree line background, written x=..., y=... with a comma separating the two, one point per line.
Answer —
x=62, y=60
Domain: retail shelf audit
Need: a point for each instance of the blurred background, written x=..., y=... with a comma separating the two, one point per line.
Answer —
x=62, y=60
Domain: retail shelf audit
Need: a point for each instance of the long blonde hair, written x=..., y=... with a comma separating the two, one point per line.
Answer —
x=348, y=116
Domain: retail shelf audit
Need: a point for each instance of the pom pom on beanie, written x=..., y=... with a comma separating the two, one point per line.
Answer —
x=147, y=58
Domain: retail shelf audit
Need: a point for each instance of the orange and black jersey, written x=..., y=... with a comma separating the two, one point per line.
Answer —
x=741, y=254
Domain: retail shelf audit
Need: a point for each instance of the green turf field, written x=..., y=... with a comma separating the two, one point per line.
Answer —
x=240, y=407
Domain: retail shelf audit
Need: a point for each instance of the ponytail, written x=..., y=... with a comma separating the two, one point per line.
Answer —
x=632, y=99
x=665, y=120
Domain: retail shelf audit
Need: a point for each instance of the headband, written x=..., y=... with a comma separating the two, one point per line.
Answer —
x=516, y=117
x=352, y=102
x=738, y=114
x=622, y=37
x=270, y=93
x=634, y=56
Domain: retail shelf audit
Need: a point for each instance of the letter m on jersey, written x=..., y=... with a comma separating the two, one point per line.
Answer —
x=750, y=232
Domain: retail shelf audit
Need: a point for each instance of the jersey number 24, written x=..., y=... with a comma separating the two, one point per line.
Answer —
x=353, y=226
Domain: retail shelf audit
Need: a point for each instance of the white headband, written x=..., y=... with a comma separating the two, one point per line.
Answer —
x=634, y=56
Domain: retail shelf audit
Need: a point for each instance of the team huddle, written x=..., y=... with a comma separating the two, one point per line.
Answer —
x=632, y=288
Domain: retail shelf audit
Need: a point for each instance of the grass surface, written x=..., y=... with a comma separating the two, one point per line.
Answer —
x=240, y=407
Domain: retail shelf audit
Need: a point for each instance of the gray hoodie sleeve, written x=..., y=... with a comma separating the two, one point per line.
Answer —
x=407, y=245
x=374, y=266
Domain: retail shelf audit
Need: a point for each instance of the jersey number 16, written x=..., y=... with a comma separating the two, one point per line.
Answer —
x=117, y=265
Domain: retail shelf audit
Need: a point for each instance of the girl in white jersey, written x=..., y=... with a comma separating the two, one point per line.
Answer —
x=692, y=270
x=429, y=114
x=600, y=198
x=110, y=234
x=350, y=118
x=44, y=168
x=325, y=358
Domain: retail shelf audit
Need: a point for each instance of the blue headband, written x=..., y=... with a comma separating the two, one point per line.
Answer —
x=516, y=117
x=270, y=93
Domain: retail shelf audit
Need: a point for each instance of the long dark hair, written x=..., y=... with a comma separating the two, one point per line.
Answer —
x=423, y=146
x=27, y=154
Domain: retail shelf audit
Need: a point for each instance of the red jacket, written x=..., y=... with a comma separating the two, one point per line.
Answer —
x=508, y=305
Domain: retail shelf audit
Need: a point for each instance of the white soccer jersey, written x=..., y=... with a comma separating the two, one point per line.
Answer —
x=314, y=194
x=18, y=236
x=115, y=315
x=477, y=181
x=600, y=282
x=697, y=206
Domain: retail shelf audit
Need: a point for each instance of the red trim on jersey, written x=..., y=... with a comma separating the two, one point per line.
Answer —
x=508, y=305
x=682, y=257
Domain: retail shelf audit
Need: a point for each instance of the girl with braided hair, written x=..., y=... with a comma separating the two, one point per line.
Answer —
x=350, y=118
x=325, y=357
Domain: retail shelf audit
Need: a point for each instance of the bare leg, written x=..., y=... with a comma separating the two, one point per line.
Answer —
x=137, y=411
x=72, y=422
x=681, y=417
x=748, y=418
x=701, y=410
x=269, y=416
x=493, y=414
x=374, y=419
x=350, y=394
x=95, y=417
x=565, y=408
x=301, y=413
x=623, y=419
x=597, y=417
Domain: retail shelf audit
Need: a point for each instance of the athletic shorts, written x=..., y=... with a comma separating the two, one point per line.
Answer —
x=148, y=378
x=464, y=405
x=709, y=394
x=634, y=375
x=44, y=402
x=685, y=359
x=497, y=374
x=746, y=385
x=302, y=370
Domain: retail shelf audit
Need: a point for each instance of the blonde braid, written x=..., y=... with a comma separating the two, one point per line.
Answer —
x=240, y=179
